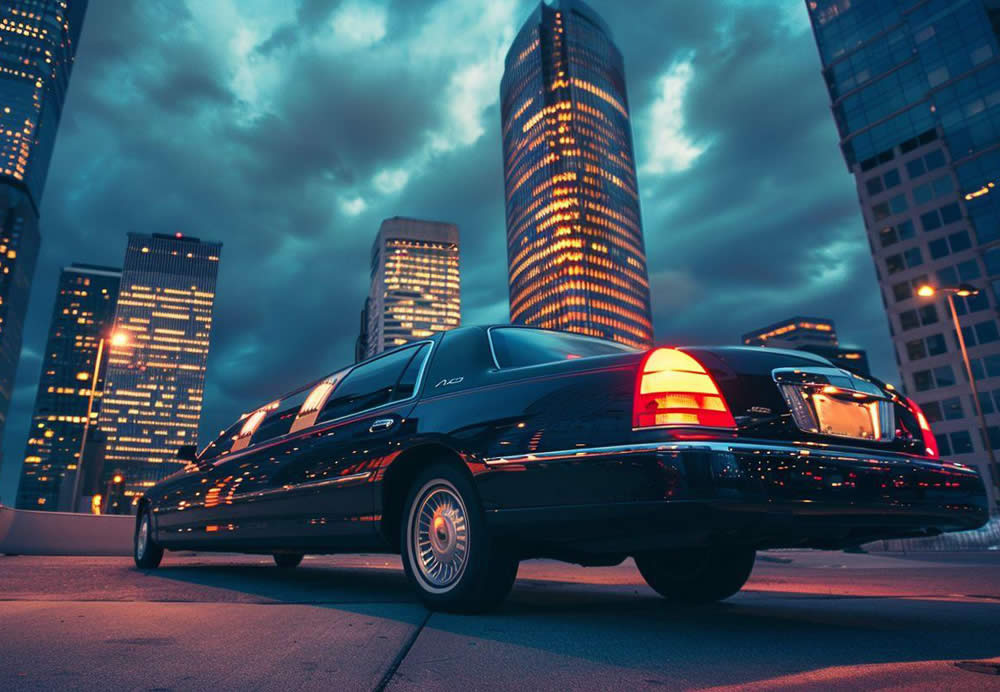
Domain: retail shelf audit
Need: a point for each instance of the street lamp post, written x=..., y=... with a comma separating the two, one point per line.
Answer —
x=966, y=290
x=78, y=479
x=117, y=339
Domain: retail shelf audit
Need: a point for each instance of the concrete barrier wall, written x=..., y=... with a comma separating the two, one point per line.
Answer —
x=25, y=532
x=986, y=538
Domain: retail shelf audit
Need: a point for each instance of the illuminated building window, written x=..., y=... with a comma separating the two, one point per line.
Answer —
x=415, y=284
x=576, y=257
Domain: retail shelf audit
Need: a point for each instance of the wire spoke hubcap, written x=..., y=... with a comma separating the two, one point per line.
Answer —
x=440, y=537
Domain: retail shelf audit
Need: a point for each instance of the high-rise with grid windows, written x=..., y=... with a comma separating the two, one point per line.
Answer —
x=38, y=40
x=155, y=378
x=73, y=365
x=575, y=252
x=415, y=286
x=915, y=91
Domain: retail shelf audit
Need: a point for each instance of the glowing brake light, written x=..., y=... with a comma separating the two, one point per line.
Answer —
x=930, y=442
x=675, y=389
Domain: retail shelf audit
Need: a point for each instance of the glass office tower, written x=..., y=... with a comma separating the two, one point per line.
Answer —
x=38, y=40
x=575, y=252
x=415, y=287
x=81, y=319
x=155, y=378
x=915, y=90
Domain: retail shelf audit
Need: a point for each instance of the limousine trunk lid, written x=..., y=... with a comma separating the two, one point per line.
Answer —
x=797, y=396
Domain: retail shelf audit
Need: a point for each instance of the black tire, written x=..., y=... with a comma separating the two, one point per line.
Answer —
x=487, y=570
x=287, y=560
x=145, y=551
x=697, y=575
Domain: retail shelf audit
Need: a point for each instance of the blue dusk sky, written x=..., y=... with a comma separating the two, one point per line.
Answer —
x=288, y=131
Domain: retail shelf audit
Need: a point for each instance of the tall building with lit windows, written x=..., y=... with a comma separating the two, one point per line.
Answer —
x=158, y=352
x=415, y=288
x=915, y=91
x=82, y=316
x=38, y=40
x=575, y=252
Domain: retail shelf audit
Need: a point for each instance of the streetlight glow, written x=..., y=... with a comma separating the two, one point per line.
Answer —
x=966, y=290
x=119, y=338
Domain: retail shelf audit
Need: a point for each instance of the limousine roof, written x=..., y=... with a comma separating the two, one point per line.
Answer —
x=438, y=336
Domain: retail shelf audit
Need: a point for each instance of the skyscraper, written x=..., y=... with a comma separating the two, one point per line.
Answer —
x=156, y=365
x=575, y=252
x=915, y=88
x=38, y=40
x=415, y=287
x=82, y=316
x=813, y=334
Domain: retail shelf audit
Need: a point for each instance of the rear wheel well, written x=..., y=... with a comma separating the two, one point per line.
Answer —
x=399, y=477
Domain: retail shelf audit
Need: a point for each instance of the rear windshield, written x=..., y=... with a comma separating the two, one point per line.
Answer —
x=517, y=347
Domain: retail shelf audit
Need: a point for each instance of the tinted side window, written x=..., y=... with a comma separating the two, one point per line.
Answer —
x=515, y=347
x=222, y=444
x=280, y=421
x=368, y=385
x=408, y=381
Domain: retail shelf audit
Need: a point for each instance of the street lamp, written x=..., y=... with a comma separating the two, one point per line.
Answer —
x=965, y=290
x=118, y=338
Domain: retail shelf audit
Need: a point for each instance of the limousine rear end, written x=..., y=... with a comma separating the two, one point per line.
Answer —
x=484, y=446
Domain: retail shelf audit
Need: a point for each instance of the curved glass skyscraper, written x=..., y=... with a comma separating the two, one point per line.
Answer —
x=575, y=252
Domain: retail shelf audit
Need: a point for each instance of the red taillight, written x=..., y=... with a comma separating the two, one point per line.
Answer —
x=675, y=389
x=930, y=442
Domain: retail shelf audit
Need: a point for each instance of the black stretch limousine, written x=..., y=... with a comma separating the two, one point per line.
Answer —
x=480, y=447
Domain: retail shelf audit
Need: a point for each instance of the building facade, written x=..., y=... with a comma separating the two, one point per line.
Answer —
x=155, y=377
x=38, y=40
x=915, y=90
x=361, y=343
x=415, y=285
x=71, y=382
x=813, y=334
x=575, y=251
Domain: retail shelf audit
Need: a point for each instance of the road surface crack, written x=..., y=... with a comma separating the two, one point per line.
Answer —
x=391, y=672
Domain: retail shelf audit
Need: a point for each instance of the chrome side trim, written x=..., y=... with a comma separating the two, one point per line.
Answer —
x=303, y=486
x=815, y=451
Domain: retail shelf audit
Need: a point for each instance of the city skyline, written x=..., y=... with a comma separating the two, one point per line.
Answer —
x=437, y=158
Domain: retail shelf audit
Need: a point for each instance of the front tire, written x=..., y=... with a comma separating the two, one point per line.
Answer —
x=287, y=560
x=145, y=551
x=448, y=555
x=697, y=575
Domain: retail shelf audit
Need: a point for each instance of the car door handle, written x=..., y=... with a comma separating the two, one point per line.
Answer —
x=381, y=424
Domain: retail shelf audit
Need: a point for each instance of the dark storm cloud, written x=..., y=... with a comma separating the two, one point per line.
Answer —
x=289, y=132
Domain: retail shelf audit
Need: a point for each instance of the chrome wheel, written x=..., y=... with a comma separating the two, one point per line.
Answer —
x=439, y=536
x=142, y=538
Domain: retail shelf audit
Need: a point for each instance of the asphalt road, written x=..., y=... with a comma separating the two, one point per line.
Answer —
x=807, y=620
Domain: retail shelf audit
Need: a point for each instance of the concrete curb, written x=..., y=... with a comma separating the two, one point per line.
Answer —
x=26, y=532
